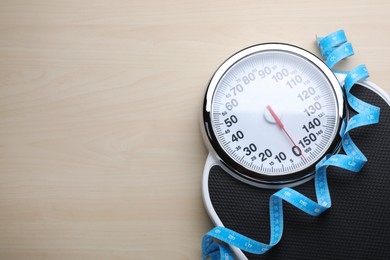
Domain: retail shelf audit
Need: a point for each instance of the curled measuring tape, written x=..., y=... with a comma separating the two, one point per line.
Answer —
x=334, y=48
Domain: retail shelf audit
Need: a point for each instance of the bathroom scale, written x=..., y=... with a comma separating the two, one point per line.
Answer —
x=271, y=113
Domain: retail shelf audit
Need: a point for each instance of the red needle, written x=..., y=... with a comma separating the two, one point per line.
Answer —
x=280, y=124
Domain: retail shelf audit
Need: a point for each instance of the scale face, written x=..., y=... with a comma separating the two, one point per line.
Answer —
x=271, y=112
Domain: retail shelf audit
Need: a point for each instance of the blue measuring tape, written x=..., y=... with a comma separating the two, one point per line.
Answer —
x=334, y=48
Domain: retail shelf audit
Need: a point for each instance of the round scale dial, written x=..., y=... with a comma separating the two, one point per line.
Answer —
x=272, y=111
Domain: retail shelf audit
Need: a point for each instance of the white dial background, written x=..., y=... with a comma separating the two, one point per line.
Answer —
x=298, y=94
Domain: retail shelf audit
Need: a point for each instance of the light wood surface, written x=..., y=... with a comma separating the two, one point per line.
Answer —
x=101, y=155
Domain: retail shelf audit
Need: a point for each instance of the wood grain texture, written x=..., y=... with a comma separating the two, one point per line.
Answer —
x=100, y=150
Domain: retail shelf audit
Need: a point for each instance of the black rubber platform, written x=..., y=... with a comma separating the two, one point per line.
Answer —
x=357, y=226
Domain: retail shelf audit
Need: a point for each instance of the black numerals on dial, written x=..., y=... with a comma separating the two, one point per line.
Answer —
x=307, y=140
x=311, y=137
x=238, y=135
x=249, y=149
x=231, y=120
x=268, y=154
x=281, y=157
x=265, y=155
x=311, y=125
x=296, y=150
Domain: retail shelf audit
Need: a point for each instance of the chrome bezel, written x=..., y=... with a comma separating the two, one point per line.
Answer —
x=230, y=165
